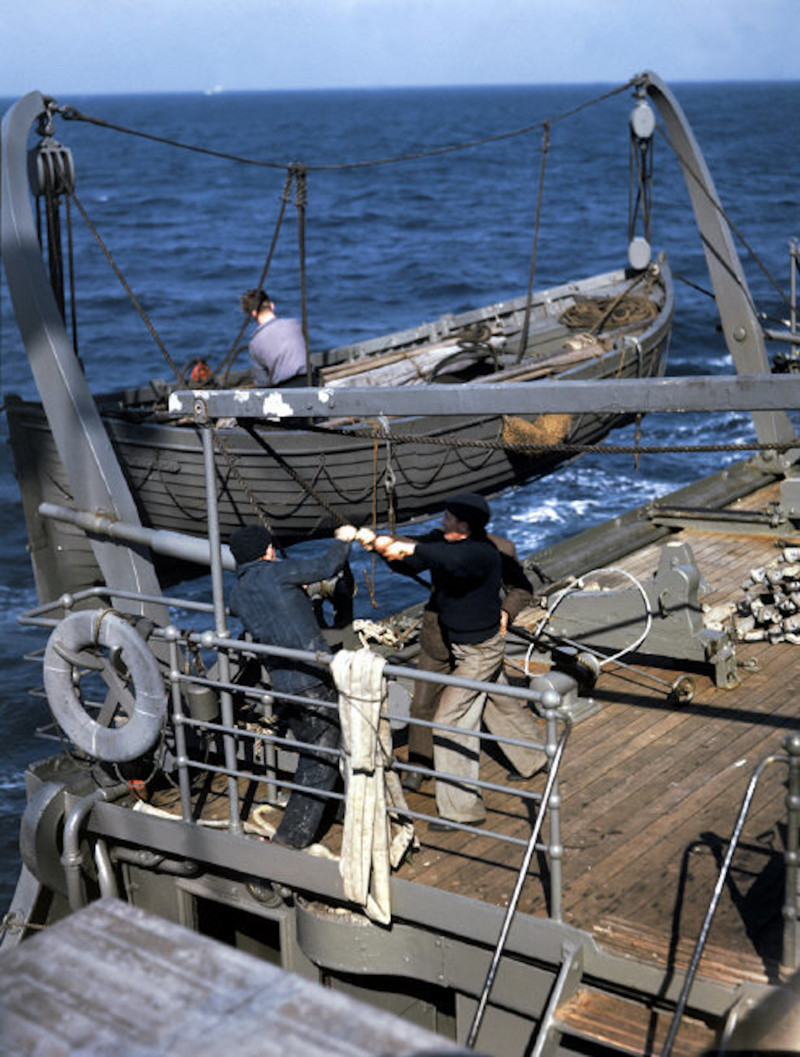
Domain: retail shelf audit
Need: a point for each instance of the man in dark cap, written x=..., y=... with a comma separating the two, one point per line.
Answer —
x=463, y=634
x=502, y=715
x=270, y=600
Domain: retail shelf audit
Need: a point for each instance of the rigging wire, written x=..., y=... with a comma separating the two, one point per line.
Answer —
x=297, y=173
x=127, y=288
x=69, y=113
x=228, y=361
x=523, y=339
x=733, y=227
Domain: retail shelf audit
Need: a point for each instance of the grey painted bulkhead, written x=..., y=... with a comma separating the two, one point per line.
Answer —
x=430, y=964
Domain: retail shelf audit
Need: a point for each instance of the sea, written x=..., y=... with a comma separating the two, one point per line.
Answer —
x=415, y=203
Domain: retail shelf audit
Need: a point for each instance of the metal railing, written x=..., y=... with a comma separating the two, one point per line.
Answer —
x=249, y=751
x=791, y=905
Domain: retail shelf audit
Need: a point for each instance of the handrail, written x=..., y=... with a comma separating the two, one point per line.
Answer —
x=548, y=700
x=522, y=873
x=231, y=732
x=792, y=759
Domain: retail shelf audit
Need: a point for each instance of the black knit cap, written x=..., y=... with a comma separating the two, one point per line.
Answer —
x=470, y=507
x=249, y=543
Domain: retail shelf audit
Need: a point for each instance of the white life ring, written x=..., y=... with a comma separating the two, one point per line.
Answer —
x=95, y=627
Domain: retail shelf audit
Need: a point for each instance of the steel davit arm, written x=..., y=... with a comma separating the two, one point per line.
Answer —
x=743, y=333
x=84, y=447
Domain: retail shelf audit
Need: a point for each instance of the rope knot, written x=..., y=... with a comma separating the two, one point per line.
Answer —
x=300, y=185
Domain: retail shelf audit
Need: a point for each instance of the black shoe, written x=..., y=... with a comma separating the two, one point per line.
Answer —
x=282, y=842
x=412, y=781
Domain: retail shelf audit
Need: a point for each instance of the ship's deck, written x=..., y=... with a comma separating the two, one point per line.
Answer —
x=651, y=790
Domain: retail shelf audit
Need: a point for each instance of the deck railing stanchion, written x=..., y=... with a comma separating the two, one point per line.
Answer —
x=551, y=706
x=722, y=876
x=792, y=875
x=220, y=614
x=551, y=700
x=184, y=784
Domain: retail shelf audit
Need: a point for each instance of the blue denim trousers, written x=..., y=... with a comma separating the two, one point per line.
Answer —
x=317, y=772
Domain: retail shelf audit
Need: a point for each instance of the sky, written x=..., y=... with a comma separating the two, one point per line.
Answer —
x=105, y=46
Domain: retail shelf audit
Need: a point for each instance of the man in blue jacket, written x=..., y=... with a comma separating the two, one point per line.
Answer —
x=269, y=598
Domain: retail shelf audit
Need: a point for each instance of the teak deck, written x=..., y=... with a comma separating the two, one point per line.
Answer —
x=651, y=791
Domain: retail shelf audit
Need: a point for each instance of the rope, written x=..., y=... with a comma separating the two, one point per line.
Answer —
x=535, y=449
x=73, y=305
x=69, y=113
x=260, y=439
x=14, y=922
x=594, y=313
x=228, y=361
x=719, y=208
x=301, y=199
x=126, y=287
x=230, y=462
x=523, y=339
x=580, y=585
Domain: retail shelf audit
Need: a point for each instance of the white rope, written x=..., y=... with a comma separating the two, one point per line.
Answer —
x=374, y=839
x=579, y=585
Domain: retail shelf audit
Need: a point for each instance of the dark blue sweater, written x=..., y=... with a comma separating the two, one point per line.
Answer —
x=466, y=576
x=270, y=600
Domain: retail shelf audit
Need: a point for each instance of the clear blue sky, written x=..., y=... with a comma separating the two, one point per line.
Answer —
x=165, y=45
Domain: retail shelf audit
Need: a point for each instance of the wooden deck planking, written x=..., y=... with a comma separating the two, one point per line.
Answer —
x=115, y=979
x=651, y=791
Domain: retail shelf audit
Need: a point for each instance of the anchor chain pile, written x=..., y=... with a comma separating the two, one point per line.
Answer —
x=770, y=609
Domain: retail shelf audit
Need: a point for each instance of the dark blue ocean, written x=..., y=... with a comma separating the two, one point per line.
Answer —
x=389, y=246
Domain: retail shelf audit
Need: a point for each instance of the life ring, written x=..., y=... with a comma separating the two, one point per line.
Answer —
x=83, y=630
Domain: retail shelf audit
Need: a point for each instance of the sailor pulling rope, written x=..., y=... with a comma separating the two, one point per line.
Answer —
x=375, y=839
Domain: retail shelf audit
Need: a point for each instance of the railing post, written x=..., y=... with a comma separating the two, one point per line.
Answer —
x=220, y=615
x=790, y=901
x=551, y=700
x=550, y=704
x=172, y=635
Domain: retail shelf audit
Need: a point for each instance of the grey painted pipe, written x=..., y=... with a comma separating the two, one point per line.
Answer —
x=162, y=541
x=71, y=858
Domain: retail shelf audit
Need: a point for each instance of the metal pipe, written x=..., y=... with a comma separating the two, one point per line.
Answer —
x=161, y=541
x=220, y=614
x=71, y=858
x=151, y=860
x=553, y=700
x=761, y=391
x=712, y=906
x=789, y=336
x=182, y=756
x=212, y=641
x=552, y=802
x=791, y=913
x=105, y=871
